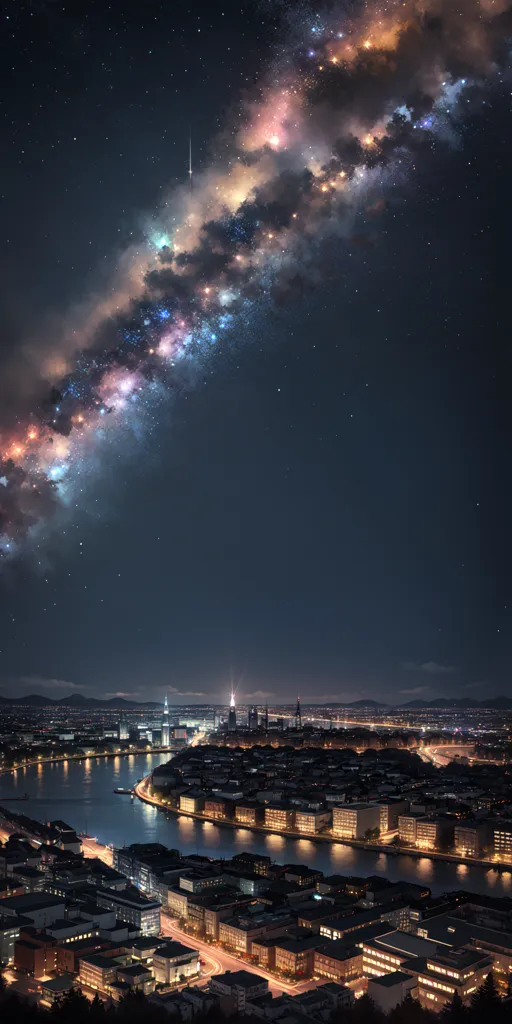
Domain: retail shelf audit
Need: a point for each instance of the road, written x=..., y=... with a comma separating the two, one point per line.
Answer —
x=92, y=848
x=218, y=961
x=443, y=756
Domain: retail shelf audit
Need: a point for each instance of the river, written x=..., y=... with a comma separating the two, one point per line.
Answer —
x=82, y=794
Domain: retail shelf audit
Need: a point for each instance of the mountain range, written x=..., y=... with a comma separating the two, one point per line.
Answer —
x=77, y=700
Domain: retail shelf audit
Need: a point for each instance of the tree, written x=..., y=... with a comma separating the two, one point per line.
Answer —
x=486, y=1003
x=455, y=1012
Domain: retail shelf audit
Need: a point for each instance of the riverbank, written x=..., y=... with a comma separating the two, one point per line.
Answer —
x=315, y=837
x=61, y=758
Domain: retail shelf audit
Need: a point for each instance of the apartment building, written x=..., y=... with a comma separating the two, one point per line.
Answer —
x=249, y=812
x=471, y=840
x=502, y=840
x=192, y=802
x=240, y=986
x=338, y=962
x=174, y=962
x=98, y=972
x=312, y=821
x=434, y=833
x=390, y=811
x=239, y=932
x=407, y=827
x=459, y=970
x=133, y=908
x=355, y=821
x=295, y=957
x=279, y=818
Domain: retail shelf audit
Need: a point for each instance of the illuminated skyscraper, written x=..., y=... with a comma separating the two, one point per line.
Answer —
x=232, y=715
x=123, y=727
x=252, y=720
x=166, y=732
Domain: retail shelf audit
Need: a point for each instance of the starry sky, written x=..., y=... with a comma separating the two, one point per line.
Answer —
x=327, y=510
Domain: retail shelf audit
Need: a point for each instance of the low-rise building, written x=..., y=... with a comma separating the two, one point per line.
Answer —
x=312, y=821
x=133, y=908
x=98, y=972
x=279, y=818
x=249, y=812
x=338, y=961
x=192, y=802
x=470, y=840
x=41, y=908
x=295, y=957
x=356, y=821
x=391, y=989
x=458, y=970
x=407, y=827
x=174, y=962
x=239, y=986
x=502, y=840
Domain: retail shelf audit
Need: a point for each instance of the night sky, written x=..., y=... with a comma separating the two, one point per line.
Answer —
x=326, y=510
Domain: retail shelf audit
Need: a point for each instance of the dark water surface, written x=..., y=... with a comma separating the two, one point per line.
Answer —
x=82, y=793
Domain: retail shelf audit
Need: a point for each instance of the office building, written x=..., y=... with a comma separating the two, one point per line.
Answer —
x=133, y=908
x=356, y=821
x=470, y=840
x=124, y=732
x=279, y=818
x=252, y=718
x=174, y=962
x=502, y=835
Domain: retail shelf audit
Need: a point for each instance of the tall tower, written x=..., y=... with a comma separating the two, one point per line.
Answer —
x=298, y=715
x=166, y=731
x=252, y=720
x=232, y=714
x=123, y=727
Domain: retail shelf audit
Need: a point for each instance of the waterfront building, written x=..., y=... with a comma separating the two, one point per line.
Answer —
x=470, y=840
x=279, y=818
x=407, y=827
x=193, y=801
x=166, y=729
x=389, y=814
x=502, y=840
x=355, y=821
x=434, y=833
x=312, y=821
x=249, y=812
x=232, y=715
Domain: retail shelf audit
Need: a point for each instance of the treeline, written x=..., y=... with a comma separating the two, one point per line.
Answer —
x=486, y=1007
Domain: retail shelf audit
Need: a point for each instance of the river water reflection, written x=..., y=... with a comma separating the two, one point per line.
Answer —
x=82, y=793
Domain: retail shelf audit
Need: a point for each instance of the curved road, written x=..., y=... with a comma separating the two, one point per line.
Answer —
x=219, y=961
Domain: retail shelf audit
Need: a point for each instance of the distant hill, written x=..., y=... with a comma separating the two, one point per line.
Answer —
x=463, y=703
x=75, y=700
